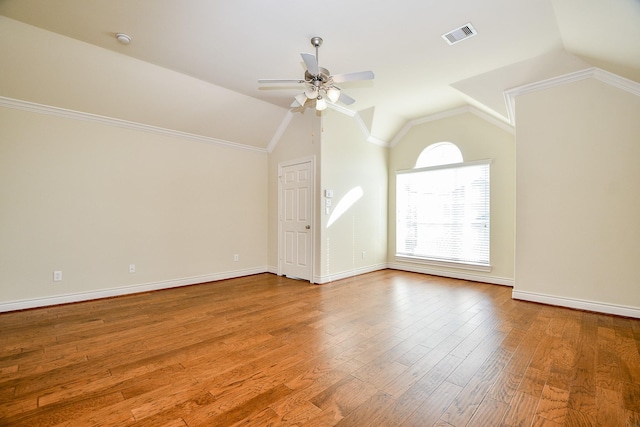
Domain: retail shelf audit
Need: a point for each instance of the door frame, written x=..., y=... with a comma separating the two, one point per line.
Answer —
x=312, y=199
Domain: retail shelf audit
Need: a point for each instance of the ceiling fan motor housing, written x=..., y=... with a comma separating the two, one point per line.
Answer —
x=323, y=77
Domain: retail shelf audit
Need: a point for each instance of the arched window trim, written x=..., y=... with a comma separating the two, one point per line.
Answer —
x=440, y=153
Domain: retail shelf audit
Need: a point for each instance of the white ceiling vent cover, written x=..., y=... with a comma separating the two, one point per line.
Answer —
x=459, y=34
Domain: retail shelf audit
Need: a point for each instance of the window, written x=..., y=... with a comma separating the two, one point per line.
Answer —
x=442, y=153
x=443, y=211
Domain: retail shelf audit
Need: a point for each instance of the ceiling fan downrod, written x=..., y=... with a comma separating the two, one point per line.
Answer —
x=316, y=42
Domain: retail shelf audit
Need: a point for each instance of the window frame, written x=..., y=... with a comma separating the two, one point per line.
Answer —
x=439, y=261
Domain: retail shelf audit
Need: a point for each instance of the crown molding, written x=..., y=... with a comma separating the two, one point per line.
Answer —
x=452, y=113
x=361, y=124
x=599, y=74
x=365, y=131
x=34, y=107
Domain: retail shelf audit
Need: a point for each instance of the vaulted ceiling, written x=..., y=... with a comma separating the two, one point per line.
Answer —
x=232, y=44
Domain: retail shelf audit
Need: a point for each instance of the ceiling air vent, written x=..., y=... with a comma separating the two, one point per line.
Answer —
x=459, y=34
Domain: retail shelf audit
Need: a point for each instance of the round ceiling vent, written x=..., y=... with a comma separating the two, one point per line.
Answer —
x=123, y=38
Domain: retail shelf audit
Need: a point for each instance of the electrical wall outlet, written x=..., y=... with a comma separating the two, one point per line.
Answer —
x=364, y=254
x=57, y=276
x=236, y=257
x=132, y=268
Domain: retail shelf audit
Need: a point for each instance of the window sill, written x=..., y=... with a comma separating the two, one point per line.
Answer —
x=440, y=263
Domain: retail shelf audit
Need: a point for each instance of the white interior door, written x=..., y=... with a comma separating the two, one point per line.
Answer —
x=296, y=214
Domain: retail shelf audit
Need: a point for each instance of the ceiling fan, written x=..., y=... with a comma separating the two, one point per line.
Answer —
x=319, y=84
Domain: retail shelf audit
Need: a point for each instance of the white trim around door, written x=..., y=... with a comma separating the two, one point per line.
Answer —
x=292, y=232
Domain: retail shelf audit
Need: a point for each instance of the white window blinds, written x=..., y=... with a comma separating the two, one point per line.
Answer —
x=443, y=213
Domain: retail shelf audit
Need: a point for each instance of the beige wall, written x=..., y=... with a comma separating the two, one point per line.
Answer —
x=477, y=139
x=578, y=204
x=349, y=162
x=89, y=199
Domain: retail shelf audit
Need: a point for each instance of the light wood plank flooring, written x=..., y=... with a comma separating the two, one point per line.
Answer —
x=387, y=348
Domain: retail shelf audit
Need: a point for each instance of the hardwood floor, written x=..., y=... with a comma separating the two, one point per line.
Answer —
x=387, y=348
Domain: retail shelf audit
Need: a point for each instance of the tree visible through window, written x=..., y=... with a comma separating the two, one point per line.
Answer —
x=443, y=208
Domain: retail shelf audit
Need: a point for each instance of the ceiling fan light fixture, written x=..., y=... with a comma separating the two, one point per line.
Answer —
x=311, y=92
x=333, y=94
x=321, y=104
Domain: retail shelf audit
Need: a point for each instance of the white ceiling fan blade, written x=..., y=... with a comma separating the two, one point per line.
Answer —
x=346, y=99
x=311, y=63
x=280, y=81
x=348, y=77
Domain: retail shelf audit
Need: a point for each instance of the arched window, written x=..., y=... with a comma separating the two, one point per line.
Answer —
x=441, y=153
x=442, y=209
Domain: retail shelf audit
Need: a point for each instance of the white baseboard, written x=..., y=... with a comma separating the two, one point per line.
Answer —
x=167, y=284
x=125, y=290
x=599, y=307
x=318, y=280
x=272, y=269
x=415, y=269
x=463, y=275
x=349, y=273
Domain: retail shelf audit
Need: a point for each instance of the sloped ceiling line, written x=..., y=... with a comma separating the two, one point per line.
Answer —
x=33, y=107
x=281, y=128
x=353, y=114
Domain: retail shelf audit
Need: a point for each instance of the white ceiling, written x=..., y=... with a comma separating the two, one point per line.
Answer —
x=234, y=43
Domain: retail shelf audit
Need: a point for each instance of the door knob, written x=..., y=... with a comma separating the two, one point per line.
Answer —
x=308, y=227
